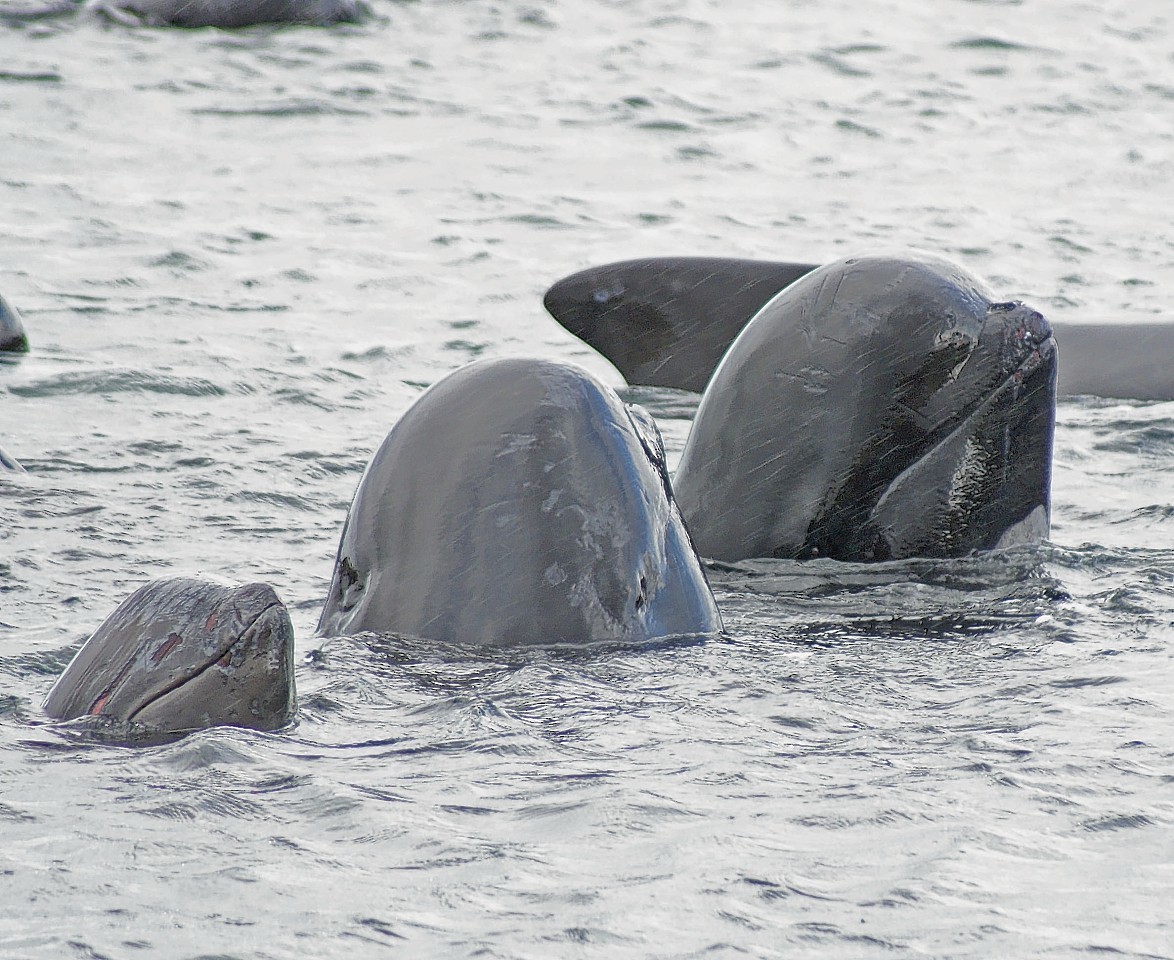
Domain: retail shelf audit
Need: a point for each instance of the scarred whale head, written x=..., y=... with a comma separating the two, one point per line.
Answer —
x=879, y=407
x=182, y=654
x=518, y=500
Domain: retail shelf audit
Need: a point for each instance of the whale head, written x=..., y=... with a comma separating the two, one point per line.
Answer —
x=182, y=654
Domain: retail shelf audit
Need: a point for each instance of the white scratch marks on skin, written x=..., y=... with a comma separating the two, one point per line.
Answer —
x=839, y=283
x=517, y=443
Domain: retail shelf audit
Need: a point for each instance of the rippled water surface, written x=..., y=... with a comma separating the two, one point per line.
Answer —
x=240, y=256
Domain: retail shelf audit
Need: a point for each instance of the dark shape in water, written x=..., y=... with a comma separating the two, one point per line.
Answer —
x=877, y=408
x=13, y=338
x=9, y=462
x=227, y=14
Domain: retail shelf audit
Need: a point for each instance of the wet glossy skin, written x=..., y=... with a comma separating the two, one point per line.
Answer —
x=518, y=500
x=667, y=321
x=179, y=655
x=878, y=408
x=9, y=463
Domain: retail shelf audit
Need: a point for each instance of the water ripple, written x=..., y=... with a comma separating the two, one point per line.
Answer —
x=115, y=382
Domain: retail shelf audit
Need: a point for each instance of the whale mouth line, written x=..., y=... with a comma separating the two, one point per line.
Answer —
x=187, y=676
x=1039, y=352
x=1042, y=352
x=1014, y=387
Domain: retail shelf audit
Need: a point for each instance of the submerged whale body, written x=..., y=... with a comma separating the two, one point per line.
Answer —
x=182, y=654
x=228, y=13
x=878, y=408
x=667, y=321
x=518, y=500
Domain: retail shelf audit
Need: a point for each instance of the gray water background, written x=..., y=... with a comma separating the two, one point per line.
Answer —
x=242, y=255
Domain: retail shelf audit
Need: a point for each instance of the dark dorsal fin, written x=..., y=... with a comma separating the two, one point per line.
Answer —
x=666, y=321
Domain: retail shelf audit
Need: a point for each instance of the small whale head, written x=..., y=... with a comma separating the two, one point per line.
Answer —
x=179, y=655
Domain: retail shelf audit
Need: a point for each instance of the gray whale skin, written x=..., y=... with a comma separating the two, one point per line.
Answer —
x=518, y=500
x=182, y=654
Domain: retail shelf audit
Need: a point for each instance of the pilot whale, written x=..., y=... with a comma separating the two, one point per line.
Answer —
x=876, y=408
x=182, y=654
x=667, y=321
x=518, y=500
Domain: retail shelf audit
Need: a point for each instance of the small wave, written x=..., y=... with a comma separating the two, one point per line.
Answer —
x=286, y=500
x=666, y=126
x=851, y=126
x=13, y=815
x=838, y=65
x=1076, y=682
x=301, y=398
x=1122, y=822
x=283, y=108
x=16, y=76
x=992, y=43
x=117, y=381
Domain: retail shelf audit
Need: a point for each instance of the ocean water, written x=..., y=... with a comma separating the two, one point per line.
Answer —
x=241, y=255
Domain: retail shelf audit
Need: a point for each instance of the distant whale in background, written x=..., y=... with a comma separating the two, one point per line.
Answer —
x=179, y=655
x=227, y=14
x=877, y=408
x=518, y=500
x=13, y=338
x=667, y=321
